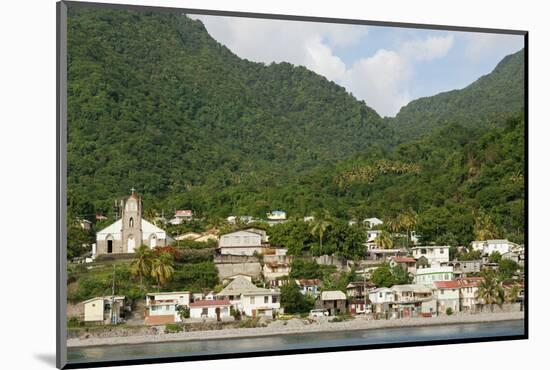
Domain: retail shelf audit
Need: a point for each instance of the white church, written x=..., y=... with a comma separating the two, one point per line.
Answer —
x=131, y=231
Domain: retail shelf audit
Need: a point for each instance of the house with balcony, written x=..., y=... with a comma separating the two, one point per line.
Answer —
x=428, y=275
x=275, y=270
x=161, y=307
x=413, y=300
x=434, y=254
x=358, y=297
x=407, y=263
x=180, y=216
x=462, y=268
x=251, y=300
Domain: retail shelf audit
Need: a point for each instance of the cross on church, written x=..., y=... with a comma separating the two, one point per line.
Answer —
x=133, y=190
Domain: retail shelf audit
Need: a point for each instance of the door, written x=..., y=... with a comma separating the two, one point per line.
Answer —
x=131, y=244
x=218, y=317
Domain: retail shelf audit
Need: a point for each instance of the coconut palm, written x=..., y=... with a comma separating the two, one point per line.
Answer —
x=409, y=219
x=320, y=224
x=490, y=290
x=394, y=224
x=141, y=265
x=162, y=268
x=512, y=294
x=384, y=240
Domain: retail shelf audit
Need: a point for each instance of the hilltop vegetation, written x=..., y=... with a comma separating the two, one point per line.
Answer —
x=488, y=102
x=155, y=103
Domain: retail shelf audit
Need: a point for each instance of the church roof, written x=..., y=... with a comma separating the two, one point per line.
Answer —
x=116, y=227
x=113, y=228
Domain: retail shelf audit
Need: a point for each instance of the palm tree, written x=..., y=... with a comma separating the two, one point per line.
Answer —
x=490, y=290
x=162, y=268
x=141, y=265
x=320, y=224
x=512, y=294
x=394, y=224
x=384, y=240
x=409, y=220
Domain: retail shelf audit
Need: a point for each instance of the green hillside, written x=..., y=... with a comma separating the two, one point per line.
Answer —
x=487, y=102
x=155, y=103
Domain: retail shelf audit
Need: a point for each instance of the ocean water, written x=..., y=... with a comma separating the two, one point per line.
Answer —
x=295, y=341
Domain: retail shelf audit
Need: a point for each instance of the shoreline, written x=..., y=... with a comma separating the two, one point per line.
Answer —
x=297, y=326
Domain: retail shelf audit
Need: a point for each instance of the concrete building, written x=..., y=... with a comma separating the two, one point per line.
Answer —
x=447, y=294
x=462, y=268
x=241, y=243
x=428, y=275
x=468, y=291
x=434, y=254
x=210, y=309
x=407, y=263
x=372, y=222
x=412, y=300
x=486, y=247
x=250, y=299
x=161, y=307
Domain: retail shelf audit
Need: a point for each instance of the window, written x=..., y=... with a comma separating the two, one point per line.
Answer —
x=274, y=299
x=153, y=308
x=266, y=299
x=441, y=251
x=167, y=308
x=252, y=300
x=131, y=222
x=204, y=311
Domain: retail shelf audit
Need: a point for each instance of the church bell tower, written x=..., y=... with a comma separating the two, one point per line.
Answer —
x=131, y=223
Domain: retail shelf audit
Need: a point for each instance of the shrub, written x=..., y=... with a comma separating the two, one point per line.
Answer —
x=73, y=322
x=183, y=311
x=173, y=328
x=449, y=311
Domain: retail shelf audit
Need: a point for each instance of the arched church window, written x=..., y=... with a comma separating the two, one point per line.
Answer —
x=131, y=223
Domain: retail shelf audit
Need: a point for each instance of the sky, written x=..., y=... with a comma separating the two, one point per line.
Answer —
x=387, y=67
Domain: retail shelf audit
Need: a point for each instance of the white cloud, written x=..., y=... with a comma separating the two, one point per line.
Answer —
x=300, y=43
x=381, y=79
x=429, y=48
x=481, y=45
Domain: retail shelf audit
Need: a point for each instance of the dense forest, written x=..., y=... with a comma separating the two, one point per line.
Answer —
x=155, y=103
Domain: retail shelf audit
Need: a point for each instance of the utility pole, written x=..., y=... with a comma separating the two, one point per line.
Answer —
x=113, y=320
x=364, y=291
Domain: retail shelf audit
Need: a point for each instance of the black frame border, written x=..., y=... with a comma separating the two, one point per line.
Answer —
x=61, y=188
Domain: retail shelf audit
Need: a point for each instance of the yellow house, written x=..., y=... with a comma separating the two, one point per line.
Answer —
x=98, y=309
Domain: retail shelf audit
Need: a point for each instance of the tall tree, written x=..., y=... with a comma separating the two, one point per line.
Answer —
x=319, y=226
x=141, y=265
x=490, y=289
x=162, y=268
x=409, y=219
x=384, y=240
